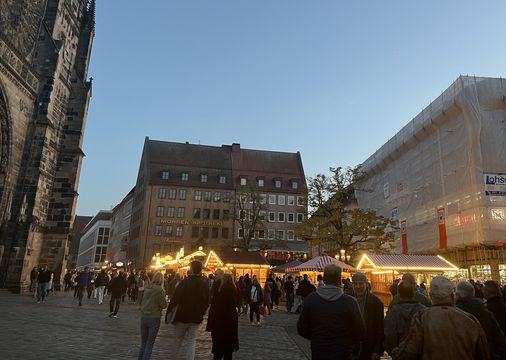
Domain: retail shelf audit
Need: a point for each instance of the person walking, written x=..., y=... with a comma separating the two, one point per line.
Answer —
x=91, y=286
x=117, y=287
x=409, y=278
x=82, y=283
x=495, y=303
x=371, y=309
x=475, y=306
x=443, y=331
x=255, y=300
x=189, y=302
x=399, y=318
x=100, y=284
x=33, y=280
x=268, y=298
x=43, y=279
x=289, y=295
x=223, y=318
x=153, y=302
x=67, y=279
x=331, y=320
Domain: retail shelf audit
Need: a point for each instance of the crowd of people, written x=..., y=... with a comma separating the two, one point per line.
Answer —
x=342, y=318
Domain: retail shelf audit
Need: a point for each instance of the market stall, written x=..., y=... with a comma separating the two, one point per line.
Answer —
x=384, y=269
x=281, y=270
x=238, y=263
x=315, y=266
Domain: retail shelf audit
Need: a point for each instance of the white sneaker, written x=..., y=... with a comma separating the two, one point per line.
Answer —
x=259, y=323
x=252, y=323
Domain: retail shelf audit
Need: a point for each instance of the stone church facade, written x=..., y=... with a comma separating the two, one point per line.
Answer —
x=45, y=48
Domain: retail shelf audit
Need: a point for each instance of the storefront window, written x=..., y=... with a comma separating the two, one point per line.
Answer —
x=480, y=272
x=502, y=273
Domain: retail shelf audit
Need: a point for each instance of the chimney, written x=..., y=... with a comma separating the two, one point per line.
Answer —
x=236, y=147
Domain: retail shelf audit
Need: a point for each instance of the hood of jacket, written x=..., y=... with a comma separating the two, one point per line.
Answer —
x=151, y=290
x=330, y=292
x=404, y=311
x=472, y=305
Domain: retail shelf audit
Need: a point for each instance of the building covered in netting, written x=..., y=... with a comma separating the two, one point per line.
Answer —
x=442, y=179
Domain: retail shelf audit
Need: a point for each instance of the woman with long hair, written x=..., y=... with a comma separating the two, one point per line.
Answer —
x=153, y=301
x=255, y=300
x=223, y=319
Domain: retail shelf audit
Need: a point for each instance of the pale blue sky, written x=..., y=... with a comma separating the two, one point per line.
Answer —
x=331, y=79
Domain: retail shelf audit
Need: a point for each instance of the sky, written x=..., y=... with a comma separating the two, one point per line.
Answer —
x=332, y=79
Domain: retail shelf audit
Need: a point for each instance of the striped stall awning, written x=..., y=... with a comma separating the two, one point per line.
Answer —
x=405, y=262
x=318, y=264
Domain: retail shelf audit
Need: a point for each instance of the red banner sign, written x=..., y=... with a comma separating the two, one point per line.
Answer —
x=404, y=237
x=443, y=243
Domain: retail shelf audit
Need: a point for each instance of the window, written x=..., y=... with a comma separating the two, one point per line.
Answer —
x=300, y=201
x=281, y=199
x=103, y=235
x=289, y=235
x=198, y=195
x=203, y=178
x=205, y=232
x=291, y=217
x=295, y=184
x=159, y=211
x=261, y=215
x=215, y=232
x=272, y=216
x=261, y=234
x=251, y=215
x=170, y=212
x=277, y=183
x=226, y=214
x=216, y=214
x=207, y=214
x=271, y=233
x=244, y=181
x=281, y=217
x=242, y=214
x=196, y=213
x=168, y=230
x=280, y=234
x=290, y=200
x=240, y=234
x=179, y=231
x=162, y=193
x=226, y=196
x=195, y=231
x=182, y=194
x=184, y=176
x=260, y=182
x=172, y=194
x=300, y=218
x=158, y=230
x=165, y=175
x=263, y=199
x=207, y=196
x=217, y=196
x=224, y=233
x=180, y=212
x=272, y=199
x=222, y=179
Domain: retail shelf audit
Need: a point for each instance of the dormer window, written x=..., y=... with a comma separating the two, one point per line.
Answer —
x=203, y=178
x=184, y=176
x=165, y=175
x=295, y=184
x=277, y=183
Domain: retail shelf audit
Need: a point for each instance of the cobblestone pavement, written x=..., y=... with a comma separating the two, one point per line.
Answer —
x=60, y=329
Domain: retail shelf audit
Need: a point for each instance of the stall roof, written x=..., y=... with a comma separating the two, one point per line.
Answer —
x=282, y=268
x=405, y=262
x=318, y=264
x=226, y=257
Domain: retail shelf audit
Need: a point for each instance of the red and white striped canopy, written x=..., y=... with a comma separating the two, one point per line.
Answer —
x=318, y=264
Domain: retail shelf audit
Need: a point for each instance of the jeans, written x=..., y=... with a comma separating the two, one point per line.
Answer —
x=289, y=301
x=100, y=293
x=184, y=340
x=116, y=300
x=254, y=308
x=42, y=290
x=149, y=330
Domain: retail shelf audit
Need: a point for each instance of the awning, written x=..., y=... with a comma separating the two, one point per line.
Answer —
x=318, y=264
x=405, y=263
x=282, y=268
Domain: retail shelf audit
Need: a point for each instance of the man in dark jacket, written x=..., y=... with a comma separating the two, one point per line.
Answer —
x=467, y=301
x=117, y=287
x=305, y=287
x=422, y=299
x=399, y=317
x=495, y=303
x=43, y=280
x=371, y=309
x=100, y=283
x=289, y=295
x=82, y=283
x=190, y=302
x=331, y=320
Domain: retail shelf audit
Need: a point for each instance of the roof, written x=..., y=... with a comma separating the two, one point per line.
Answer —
x=101, y=215
x=318, y=264
x=282, y=268
x=239, y=257
x=405, y=262
x=79, y=224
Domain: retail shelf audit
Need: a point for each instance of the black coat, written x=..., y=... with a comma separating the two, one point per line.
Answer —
x=260, y=294
x=102, y=279
x=222, y=321
x=497, y=306
x=118, y=286
x=374, y=320
x=305, y=288
x=192, y=299
x=44, y=276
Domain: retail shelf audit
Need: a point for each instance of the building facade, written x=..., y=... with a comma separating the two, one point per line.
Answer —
x=120, y=230
x=79, y=224
x=45, y=49
x=185, y=196
x=94, y=243
x=441, y=179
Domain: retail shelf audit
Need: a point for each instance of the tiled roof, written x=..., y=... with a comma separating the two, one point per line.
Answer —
x=318, y=264
x=410, y=261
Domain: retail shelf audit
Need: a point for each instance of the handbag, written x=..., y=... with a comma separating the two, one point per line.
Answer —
x=263, y=312
x=170, y=315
